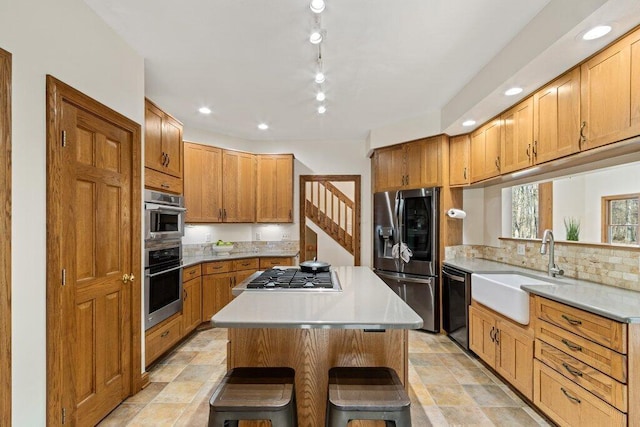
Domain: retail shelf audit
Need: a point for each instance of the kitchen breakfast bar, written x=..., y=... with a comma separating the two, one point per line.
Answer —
x=364, y=324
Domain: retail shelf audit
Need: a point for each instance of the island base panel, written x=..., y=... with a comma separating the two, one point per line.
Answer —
x=311, y=353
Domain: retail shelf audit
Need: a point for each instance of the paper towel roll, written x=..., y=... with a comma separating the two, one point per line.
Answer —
x=456, y=213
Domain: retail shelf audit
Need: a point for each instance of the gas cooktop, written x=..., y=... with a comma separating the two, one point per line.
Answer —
x=293, y=279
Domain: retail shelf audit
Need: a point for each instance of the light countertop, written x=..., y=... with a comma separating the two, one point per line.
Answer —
x=619, y=304
x=365, y=302
x=193, y=260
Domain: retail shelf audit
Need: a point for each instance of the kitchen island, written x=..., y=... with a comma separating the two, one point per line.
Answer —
x=365, y=324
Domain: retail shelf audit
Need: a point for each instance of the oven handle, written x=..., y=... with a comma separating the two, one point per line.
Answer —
x=163, y=271
x=155, y=207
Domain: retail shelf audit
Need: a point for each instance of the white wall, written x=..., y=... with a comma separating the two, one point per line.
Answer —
x=65, y=39
x=311, y=158
x=569, y=201
x=407, y=130
x=473, y=224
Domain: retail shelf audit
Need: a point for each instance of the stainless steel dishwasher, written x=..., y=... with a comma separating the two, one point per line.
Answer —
x=456, y=298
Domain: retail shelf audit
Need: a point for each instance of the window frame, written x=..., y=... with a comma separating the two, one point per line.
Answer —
x=606, y=203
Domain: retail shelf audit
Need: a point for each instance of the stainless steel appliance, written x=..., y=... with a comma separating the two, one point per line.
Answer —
x=456, y=298
x=406, y=248
x=162, y=280
x=164, y=215
x=292, y=279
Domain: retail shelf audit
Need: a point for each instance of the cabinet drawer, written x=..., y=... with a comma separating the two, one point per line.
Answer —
x=191, y=272
x=602, y=358
x=161, y=339
x=245, y=264
x=217, y=267
x=273, y=261
x=568, y=404
x=606, y=332
x=603, y=386
x=162, y=182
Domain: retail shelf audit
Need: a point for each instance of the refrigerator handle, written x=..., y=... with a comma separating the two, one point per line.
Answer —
x=401, y=219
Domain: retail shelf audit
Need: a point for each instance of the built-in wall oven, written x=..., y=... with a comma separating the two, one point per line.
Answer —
x=164, y=215
x=456, y=298
x=162, y=280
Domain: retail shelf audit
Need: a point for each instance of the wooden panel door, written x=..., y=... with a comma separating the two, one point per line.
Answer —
x=516, y=146
x=192, y=304
x=202, y=183
x=97, y=255
x=556, y=118
x=610, y=93
x=431, y=173
x=389, y=168
x=485, y=151
x=414, y=162
x=215, y=293
x=274, y=188
x=459, y=160
x=153, y=153
x=172, y=146
x=481, y=332
x=239, y=190
x=514, y=360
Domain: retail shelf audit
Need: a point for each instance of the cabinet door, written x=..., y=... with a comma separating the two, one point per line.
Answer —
x=239, y=189
x=485, y=151
x=459, y=160
x=414, y=163
x=389, y=164
x=203, y=183
x=610, y=98
x=556, y=118
x=517, y=137
x=153, y=154
x=274, y=188
x=215, y=293
x=192, y=304
x=514, y=360
x=172, y=146
x=481, y=332
x=431, y=165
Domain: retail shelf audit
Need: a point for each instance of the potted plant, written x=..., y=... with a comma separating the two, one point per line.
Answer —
x=572, y=226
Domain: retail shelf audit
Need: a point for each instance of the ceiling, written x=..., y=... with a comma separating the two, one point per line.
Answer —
x=386, y=61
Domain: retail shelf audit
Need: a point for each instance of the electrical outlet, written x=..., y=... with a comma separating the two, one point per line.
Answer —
x=258, y=235
x=207, y=237
x=286, y=236
x=520, y=248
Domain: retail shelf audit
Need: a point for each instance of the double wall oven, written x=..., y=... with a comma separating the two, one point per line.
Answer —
x=164, y=228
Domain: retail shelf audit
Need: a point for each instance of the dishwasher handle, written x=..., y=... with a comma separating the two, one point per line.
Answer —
x=453, y=276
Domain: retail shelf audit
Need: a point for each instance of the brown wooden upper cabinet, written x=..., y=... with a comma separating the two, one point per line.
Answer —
x=610, y=103
x=203, y=183
x=274, y=188
x=413, y=164
x=239, y=189
x=163, y=150
x=517, y=143
x=485, y=151
x=459, y=160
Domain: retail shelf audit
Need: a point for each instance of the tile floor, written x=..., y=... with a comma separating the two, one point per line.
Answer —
x=447, y=387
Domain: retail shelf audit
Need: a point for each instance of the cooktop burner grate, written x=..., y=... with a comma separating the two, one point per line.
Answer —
x=294, y=279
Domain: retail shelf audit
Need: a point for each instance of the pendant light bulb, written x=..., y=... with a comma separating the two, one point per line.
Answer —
x=317, y=6
x=319, y=77
x=321, y=96
x=322, y=109
x=316, y=36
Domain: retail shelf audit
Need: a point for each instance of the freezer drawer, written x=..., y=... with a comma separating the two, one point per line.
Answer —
x=419, y=292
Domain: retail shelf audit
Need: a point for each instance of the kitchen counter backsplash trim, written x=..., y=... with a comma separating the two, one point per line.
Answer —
x=264, y=248
x=612, y=266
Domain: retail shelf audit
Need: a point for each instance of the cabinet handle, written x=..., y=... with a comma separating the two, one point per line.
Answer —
x=164, y=158
x=220, y=214
x=224, y=214
x=164, y=334
x=407, y=183
x=535, y=148
x=497, y=335
x=529, y=150
x=571, y=345
x=184, y=294
x=582, y=138
x=491, y=334
x=216, y=267
x=498, y=163
x=290, y=214
x=566, y=393
x=168, y=160
x=165, y=185
x=464, y=173
x=192, y=272
x=572, y=371
x=571, y=321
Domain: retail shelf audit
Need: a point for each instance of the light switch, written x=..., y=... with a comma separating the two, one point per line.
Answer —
x=520, y=249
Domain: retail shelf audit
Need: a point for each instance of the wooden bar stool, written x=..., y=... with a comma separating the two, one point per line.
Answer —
x=254, y=394
x=367, y=394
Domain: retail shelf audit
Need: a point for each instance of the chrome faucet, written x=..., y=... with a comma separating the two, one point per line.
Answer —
x=547, y=237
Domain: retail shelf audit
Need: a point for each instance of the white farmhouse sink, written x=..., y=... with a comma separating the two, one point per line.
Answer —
x=502, y=293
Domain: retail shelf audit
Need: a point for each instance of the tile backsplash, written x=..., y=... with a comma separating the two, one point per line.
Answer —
x=200, y=249
x=610, y=265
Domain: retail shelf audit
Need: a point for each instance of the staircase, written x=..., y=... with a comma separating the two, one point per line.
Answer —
x=332, y=211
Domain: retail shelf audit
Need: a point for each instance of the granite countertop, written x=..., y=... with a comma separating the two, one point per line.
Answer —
x=365, y=302
x=619, y=304
x=193, y=260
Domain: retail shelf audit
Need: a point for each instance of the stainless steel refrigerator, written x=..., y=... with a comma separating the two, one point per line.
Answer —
x=406, y=248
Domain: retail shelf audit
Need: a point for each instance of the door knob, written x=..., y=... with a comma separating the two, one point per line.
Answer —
x=125, y=278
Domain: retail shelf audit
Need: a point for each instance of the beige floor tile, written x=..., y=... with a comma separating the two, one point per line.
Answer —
x=435, y=375
x=165, y=373
x=179, y=392
x=214, y=357
x=178, y=358
x=458, y=359
x=198, y=373
x=465, y=416
x=147, y=394
x=435, y=416
x=469, y=375
x=489, y=395
x=194, y=415
x=508, y=417
x=425, y=359
x=450, y=395
x=122, y=414
x=420, y=395
x=158, y=415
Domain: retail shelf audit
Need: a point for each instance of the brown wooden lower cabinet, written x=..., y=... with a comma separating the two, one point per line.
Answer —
x=271, y=262
x=162, y=337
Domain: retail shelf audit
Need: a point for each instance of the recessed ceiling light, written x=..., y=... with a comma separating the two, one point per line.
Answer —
x=263, y=126
x=596, y=32
x=316, y=36
x=204, y=110
x=468, y=123
x=321, y=96
x=317, y=6
x=322, y=109
x=319, y=77
x=513, y=91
